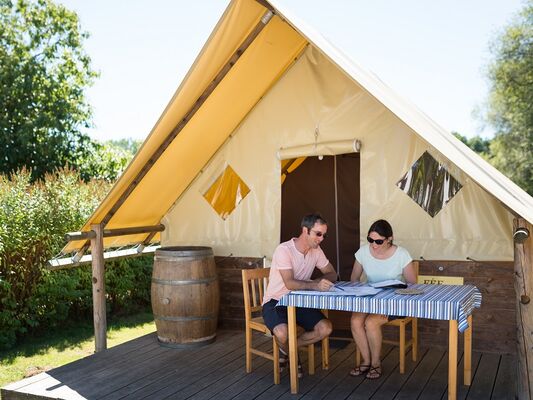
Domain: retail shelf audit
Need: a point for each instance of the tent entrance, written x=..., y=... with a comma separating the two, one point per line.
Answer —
x=329, y=186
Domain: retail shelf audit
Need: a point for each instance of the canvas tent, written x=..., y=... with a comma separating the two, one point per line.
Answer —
x=267, y=90
x=286, y=84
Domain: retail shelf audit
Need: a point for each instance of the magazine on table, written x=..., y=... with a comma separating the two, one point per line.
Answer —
x=389, y=283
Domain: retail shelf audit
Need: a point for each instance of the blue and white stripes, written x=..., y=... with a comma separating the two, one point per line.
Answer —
x=446, y=302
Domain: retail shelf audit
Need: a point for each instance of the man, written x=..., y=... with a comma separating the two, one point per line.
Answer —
x=293, y=263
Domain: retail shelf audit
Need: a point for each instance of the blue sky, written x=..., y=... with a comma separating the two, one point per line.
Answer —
x=434, y=53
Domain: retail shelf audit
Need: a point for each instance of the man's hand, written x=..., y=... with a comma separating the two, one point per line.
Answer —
x=324, y=285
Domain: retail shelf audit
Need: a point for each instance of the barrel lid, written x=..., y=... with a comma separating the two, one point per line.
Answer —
x=184, y=251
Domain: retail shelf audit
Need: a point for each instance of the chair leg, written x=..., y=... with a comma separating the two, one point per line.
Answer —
x=402, y=348
x=275, y=351
x=325, y=353
x=414, y=335
x=311, y=358
x=248, y=350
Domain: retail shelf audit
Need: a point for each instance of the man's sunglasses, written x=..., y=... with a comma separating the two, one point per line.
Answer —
x=319, y=234
x=377, y=241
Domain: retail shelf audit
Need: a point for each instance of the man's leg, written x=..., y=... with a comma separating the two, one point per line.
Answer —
x=281, y=333
x=321, y=330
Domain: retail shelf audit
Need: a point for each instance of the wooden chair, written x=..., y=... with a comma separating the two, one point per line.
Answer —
x=254, y=282
x=402, y=342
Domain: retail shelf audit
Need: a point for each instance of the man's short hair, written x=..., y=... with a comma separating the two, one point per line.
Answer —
x=311, y=219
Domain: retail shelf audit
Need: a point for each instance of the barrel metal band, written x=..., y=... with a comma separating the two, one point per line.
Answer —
x=183, y=258
x=184, y=282
x=184, y=319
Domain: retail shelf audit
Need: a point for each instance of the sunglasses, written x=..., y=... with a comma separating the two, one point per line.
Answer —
x=319, y=234
x=377, y=241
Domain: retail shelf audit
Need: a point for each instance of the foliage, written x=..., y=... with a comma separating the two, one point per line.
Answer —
x=107, y=160
x=42, y=81
x=476, y=143
x=130, y=145
x=510, y=105
x=34, y=218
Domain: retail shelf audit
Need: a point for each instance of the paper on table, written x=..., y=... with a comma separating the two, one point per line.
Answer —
x=344, y=291
x=390, y=283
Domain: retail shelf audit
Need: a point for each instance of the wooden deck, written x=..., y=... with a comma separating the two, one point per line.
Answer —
x=141, y=369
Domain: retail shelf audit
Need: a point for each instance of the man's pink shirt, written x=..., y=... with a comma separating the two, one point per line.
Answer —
x=287, y=256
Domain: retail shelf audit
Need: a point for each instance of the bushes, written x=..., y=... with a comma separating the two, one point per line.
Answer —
x=34, y=217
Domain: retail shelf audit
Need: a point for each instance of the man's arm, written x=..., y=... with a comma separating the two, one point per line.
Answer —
x=322, y=284
x=329, y=273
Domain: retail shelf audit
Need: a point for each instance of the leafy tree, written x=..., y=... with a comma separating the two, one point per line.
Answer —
x=510, y=105
x=107, y=160
x=44, y=72
x=476, y=143
x=128, y=144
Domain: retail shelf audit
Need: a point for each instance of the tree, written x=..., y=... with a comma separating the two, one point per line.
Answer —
x=510, y=104
x=107, y=160
x=44, y=72
x=476, y=143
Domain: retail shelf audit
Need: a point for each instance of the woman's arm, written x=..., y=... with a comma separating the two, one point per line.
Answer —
x=409, y=273
x=356, y=271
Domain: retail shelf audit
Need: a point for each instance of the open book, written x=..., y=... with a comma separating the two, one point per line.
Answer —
x=390, y=283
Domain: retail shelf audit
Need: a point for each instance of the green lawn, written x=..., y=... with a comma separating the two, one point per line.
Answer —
x=70, y=344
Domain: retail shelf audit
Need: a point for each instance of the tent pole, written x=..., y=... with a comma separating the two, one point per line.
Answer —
x=523, y=266
x=98, y=280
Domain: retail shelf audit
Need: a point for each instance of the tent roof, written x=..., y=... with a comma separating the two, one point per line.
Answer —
x=244, y=55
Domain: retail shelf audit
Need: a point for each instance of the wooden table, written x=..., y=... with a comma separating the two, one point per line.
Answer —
x=444, y=302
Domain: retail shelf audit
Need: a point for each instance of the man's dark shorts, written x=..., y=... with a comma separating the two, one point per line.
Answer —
x=307, y=318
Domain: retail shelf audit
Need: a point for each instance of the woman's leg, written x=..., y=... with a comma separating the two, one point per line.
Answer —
x=373, y=324
x=357, y=325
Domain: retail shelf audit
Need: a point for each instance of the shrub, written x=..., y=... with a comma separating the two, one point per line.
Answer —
x=34, y=217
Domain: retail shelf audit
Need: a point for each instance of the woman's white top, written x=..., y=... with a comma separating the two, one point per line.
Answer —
x=378, y=270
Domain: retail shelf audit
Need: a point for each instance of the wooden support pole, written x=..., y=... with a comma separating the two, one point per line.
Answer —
x=98, y=280
x=523, y=268
x=70, y=236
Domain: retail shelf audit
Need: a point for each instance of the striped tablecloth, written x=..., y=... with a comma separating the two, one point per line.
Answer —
x=445, y=302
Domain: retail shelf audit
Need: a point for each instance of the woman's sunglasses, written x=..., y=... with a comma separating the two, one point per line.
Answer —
x=377, y=241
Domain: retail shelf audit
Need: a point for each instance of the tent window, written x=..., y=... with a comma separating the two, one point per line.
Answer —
x=226, y=192
x=429, y=184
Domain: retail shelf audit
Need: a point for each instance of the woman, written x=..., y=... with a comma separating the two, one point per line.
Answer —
x=380, y=259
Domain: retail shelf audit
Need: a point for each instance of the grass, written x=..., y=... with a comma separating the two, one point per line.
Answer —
x=63, y=346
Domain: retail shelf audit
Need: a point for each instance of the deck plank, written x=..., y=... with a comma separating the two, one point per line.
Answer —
x=416, y=382
x=481, y=388
x=369, y=387
x=141, y=369
x=504, y=386
x=180, y=372
x=311, y=386
x=92, y=361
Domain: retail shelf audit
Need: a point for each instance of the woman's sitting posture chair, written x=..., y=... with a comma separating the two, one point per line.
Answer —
x=402, y=342
x=254, y=282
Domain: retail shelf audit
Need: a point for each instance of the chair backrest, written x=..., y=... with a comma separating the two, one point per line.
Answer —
x=254, y=283
x=440, y=280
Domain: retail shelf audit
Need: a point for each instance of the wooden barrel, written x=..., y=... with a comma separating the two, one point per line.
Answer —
x=185, y=296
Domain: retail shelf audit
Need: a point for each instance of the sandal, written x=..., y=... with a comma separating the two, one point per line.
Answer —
x=360, y=370
x=374, y=373
x=284, y=362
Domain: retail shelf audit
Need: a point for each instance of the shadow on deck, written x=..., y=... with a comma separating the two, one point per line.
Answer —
x=141, y=369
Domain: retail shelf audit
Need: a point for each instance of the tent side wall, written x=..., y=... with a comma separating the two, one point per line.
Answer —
x=314, y=96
